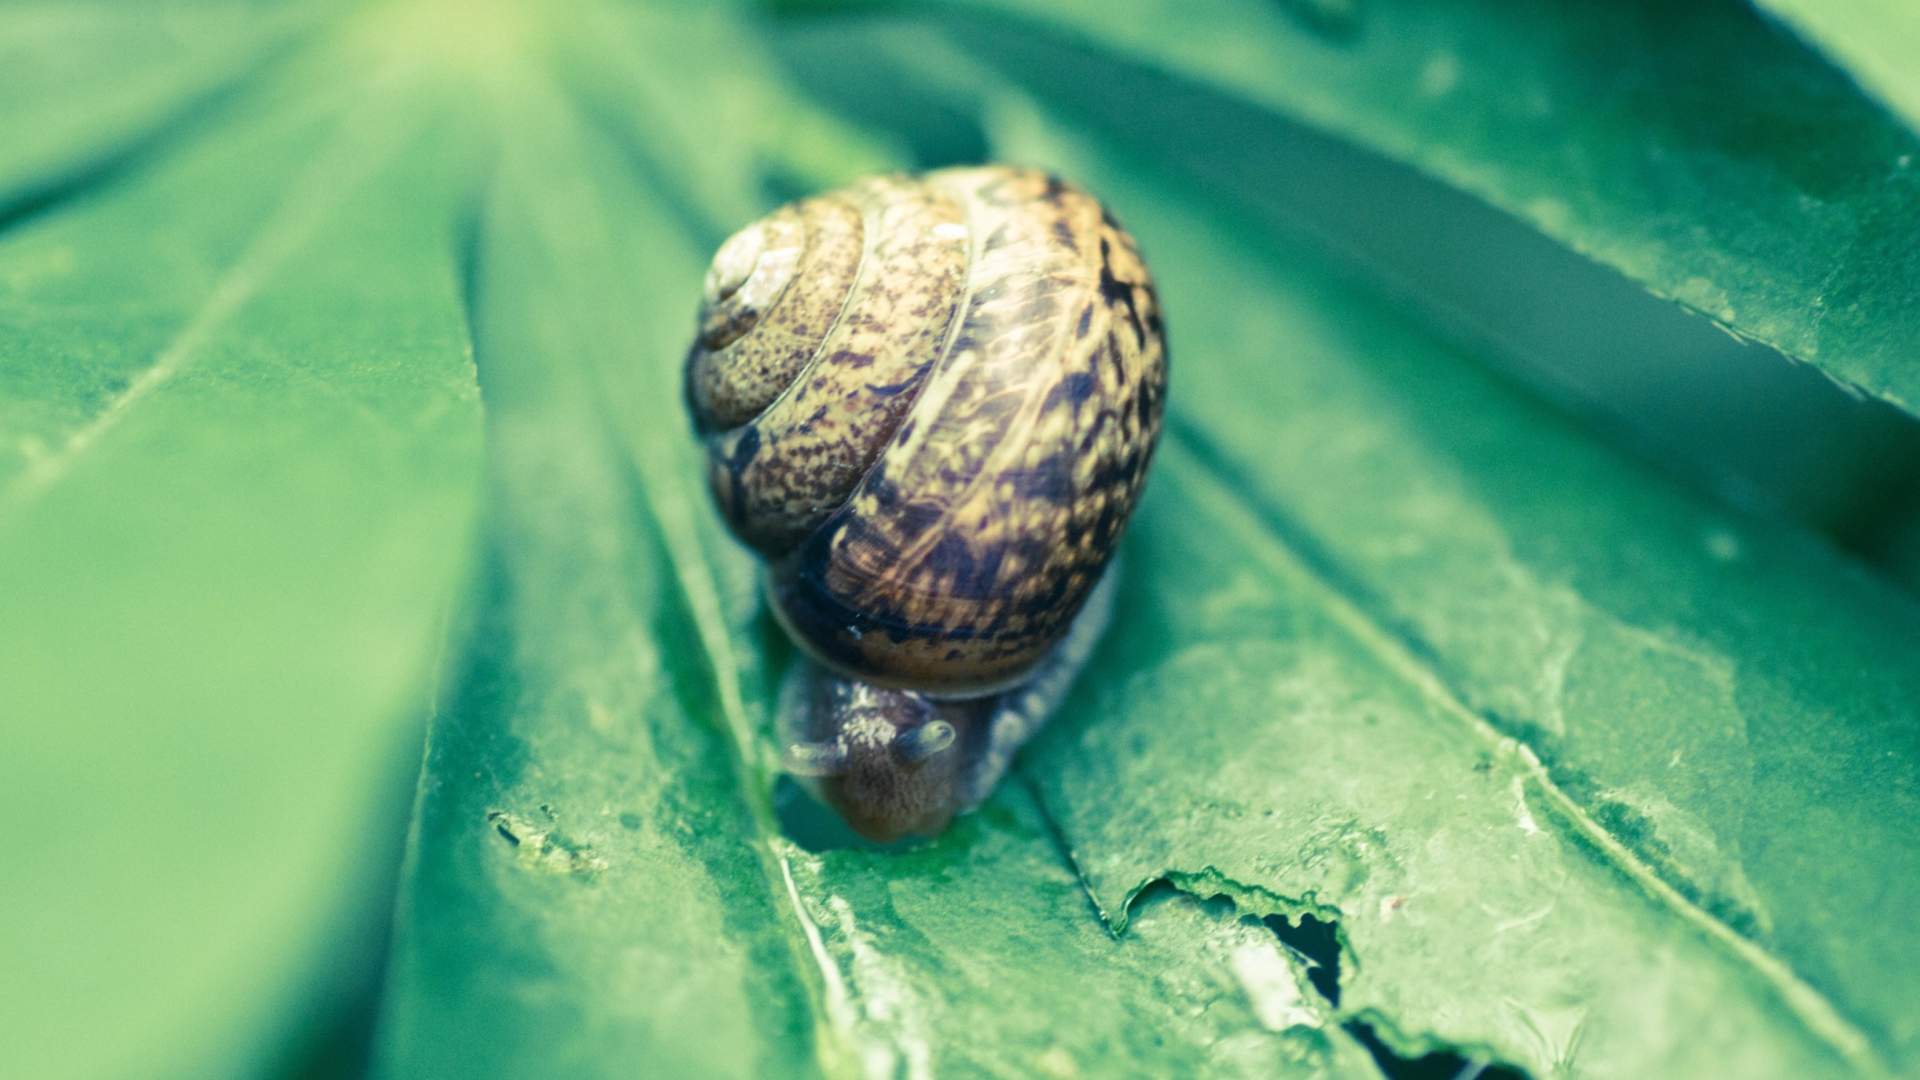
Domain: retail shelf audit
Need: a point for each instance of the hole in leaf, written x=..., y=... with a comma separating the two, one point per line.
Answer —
x=1315, y=940
x=1434, y=1065
x=1318, y=940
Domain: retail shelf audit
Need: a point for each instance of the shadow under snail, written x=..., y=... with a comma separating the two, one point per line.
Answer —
x=929, y=404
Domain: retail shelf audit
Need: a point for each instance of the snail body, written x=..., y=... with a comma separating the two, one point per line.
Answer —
x=929, y=405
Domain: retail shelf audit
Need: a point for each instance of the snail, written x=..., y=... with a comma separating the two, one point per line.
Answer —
x=928, y=404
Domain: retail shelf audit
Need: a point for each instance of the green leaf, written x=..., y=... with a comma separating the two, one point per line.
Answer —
x=1721, y=705
x=89, y=83
x=1878, y=42
x=1433, y=735
x=982, y=955
x=665, y=79
x=1690, y=146
x=239, y=458
x=1322, y=770
x=581, y=846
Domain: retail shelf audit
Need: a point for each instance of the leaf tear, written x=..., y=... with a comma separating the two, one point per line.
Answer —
x=1312, y=934
x=1318, y=941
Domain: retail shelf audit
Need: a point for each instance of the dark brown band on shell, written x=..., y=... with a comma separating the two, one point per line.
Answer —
x=943, y=484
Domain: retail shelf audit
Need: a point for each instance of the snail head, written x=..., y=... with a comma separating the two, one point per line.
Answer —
x=891, y=763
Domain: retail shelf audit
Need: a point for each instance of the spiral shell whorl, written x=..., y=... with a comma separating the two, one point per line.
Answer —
x=758, y=328
x=940, y=479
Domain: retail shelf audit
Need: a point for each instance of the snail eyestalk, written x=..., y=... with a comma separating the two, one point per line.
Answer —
x=929, y=404
x=814, y=758
x=917, y=745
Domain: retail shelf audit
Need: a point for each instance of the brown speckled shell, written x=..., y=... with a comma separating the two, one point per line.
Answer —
x=930, y=403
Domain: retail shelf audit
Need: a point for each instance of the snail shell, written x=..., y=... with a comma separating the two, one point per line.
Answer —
x=929, y=404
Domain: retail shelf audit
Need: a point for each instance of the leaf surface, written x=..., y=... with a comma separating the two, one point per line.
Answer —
x=1878, y=41
x=91, y=84
x=238, y=461
x=1692, y=146
x=1575, y=773
x=1703, y=688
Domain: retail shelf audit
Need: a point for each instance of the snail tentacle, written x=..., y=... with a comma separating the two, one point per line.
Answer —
x=921, y=743
x=814, y=758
